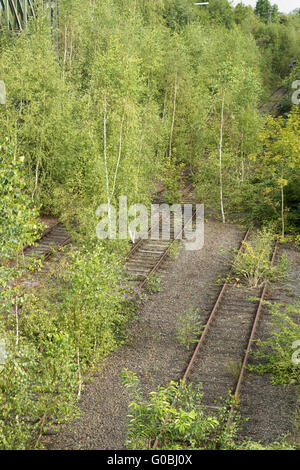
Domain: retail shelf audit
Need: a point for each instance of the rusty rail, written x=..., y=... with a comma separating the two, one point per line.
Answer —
x=253, y=331
x=166, y=252
x=205, y=331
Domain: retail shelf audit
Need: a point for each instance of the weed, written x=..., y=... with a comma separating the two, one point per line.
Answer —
x=253, y=267
x=174, y=249
x=189, y=327
x=233, y=367
x=153, y=284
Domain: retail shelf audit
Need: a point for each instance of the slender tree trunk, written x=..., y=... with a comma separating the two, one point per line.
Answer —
x=220, y=158
x=71, y=49
x=65, y=52
x=173, y=117
x=282, y=211
x=105, y=149
x=119, y=155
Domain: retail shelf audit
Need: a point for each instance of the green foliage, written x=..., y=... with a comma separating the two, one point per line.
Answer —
x=133, y=90
x=188, y=327
x=178, y=13
x=153, y=284
x=252, y=266
x=266, y=12
x=174, y=413
x=221, y=12
x=125, y=93
x=37, y=390
x=279, y=354
x=277, y=445
x=233, y=367
x=18, y=219
x=174, y=249
x=55, y=337
x=172, y=180
x=275, y=173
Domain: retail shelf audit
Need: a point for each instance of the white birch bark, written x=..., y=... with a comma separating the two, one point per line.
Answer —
x=220, y=159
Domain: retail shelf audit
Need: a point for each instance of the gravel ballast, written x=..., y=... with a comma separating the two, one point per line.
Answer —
x=157, y=357
x=152, y=353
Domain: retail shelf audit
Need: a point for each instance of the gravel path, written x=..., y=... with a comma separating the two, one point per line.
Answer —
x=152, y=352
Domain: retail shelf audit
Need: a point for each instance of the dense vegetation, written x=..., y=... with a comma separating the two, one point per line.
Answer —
x=177, y=418
x=126, y=93
x=134, y=89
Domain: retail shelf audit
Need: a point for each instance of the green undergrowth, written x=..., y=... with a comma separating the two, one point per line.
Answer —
x=56, y=329
x=189, y=327
x=176, y=416
x=153, y=284
x=279, y=354
x=253, y=267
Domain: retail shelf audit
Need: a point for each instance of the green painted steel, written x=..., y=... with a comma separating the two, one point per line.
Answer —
x=15, y=14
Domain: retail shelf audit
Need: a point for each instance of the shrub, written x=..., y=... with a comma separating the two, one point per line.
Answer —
x=279, y=354
x=253, y=267
x=188, y=327
x=176, y=415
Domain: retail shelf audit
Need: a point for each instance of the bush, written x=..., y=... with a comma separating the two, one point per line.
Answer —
x=176, y=415
x=189, y=327
x=279, y=355
x=252, y=266
x=75, y=318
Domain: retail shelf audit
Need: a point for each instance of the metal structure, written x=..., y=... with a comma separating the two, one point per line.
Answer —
x=15, y=14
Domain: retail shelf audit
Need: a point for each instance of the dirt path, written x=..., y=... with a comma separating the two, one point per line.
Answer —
x=152, y=353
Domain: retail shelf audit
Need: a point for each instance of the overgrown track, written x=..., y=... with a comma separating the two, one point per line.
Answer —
x=221, y=356
x=271, y=107
x=53, y=238
x=147, y=256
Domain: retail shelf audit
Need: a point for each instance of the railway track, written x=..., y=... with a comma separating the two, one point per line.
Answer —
x=271, y=107
x=221, y=356
x=146, y=257
x=56, y=237
x=53, y=238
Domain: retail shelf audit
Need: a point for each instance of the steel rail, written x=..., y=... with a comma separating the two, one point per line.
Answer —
x=166, y=252
x=212, y=315
x=140, y=241
x=249, y=345
x=59, y=246
x=44, y=234
x=204, y=333
x=253, y=331
x=48, y=252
